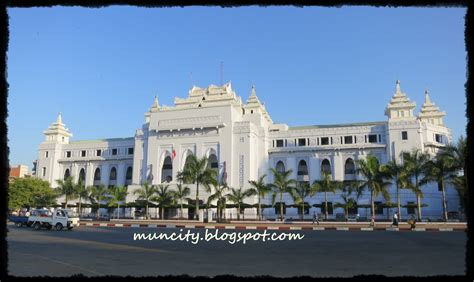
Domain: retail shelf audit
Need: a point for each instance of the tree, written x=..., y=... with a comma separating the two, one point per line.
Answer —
x=459, y=177
x=237, y=196
x=67, y=189
x=164, y=198
x=30, y=192
x=261, y=190
x=281, y=184
x=300, y=192
x=374, y=179
x=82, y=193
x=220, y=196
x=117, y=194
x=415, y=162
x=326, y=184
x=348, y=188
x=98, y=194
x=196, y=171
x=398, y=173
x=145, y=193
x=180, y=194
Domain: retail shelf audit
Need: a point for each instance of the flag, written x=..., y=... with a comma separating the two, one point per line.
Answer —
x=173, y=154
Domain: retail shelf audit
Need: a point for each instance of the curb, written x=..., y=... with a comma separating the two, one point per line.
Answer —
x=282, y=228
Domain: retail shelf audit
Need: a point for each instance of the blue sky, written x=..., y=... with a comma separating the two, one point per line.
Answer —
x=102, y=67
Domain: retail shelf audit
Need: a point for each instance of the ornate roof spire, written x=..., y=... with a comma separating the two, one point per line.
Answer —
x=59, y=120
x=398, y=91
x=253, y=91
x=427, y=98
x=155, y=106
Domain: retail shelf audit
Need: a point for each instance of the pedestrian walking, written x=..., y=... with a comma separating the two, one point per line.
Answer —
x=314, y=217
x=372, y=221
x=395, y=219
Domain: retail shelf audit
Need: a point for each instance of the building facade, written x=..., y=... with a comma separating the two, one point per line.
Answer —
x=242, y=143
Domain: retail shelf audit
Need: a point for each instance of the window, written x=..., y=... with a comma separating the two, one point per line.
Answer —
x=326, y=166
x=306, y=209
x=129, y=173
x=68, y=154
x=411, y=207
x=372, y=138
x=46, y=154
x=251, y=111
x=44, y=171
x=83, y=153
x=113, y=174
x=404, y=135
x=277, y=208
x=439, y=138
x=302, y=142
x=279, y=143
x=130, y=151
x=347, y=139
x=324, y=140
x=67, y=174
x=323, y=208
x=302, y=168
x=349, y=167
x=99, y=153
x=280, y=166
x=378, y=208
x=97, y=174
x=114, y=152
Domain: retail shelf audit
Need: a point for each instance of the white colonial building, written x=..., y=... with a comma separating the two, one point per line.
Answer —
x=242, y=143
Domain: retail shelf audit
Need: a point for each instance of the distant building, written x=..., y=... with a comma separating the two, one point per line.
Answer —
x=19, y=171
x=242, y=143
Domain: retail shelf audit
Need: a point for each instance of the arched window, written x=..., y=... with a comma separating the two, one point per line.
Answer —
x=97, y=174
x=280, y=166
x=113, y=174
x=302, y=168
x=188, y=159
x=82, y=176
x=349, y=167
x=67, y=174
x=128, y=176
x=212, y=162
x=167, y=170
x=326, y=166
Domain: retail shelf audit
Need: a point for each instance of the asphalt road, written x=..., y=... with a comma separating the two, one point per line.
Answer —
x=112, y=251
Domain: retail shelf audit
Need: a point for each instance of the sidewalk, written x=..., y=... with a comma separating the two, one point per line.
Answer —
x=271, y=225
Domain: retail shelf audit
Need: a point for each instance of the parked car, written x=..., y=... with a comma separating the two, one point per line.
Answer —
x=454, y=216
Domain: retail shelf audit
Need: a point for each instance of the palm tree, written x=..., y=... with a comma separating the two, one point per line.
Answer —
x=300, y=192
x=220, y=196
x=374, y=179
x=280, y=185
x=180, y=194
x=164, y=198
x=98, y=193
x=145, y=193
x=261, y=190
x=459, y=178
x=197, y=171
x=348, y=188
x=237, y=196
x=83, y=193
x=326, y=184
x=67, y=189
x=441, y=169
x=398, y=173
x=118, y=194
x=415, y=162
